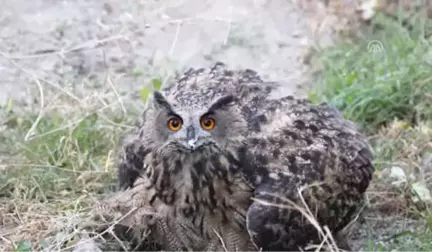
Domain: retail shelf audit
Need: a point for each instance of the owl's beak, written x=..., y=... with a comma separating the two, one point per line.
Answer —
x=191, y=137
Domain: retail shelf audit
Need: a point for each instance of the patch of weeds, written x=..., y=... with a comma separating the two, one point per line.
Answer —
x=145, y=91
x=404, y=241
x=383, y=82
x=55, y=164
x=23, y=246
x=60, y=158
x=376, y=80
x=52, y=169
x=403, y=161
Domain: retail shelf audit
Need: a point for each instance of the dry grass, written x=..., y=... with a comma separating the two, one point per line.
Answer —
x=55, y=162
x=328, y=241
x=387, y=92
x=403, y=162
x=401, y=188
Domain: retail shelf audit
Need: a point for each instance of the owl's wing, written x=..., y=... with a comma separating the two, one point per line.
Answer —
x=305, y=147
x=131, y=158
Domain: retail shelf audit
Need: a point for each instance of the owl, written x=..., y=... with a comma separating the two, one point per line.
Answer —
x=215, y=163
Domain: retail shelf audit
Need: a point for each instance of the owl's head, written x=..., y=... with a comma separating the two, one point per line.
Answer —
x=171, y=126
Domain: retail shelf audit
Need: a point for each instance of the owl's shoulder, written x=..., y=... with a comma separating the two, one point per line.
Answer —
x=297, y=138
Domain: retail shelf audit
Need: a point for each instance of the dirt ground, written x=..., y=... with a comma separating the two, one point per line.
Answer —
x=71, y=46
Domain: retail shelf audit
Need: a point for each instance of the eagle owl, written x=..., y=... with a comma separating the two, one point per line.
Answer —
x=216, y=160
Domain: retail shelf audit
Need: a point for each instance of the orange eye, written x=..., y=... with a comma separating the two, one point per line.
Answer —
x=207, y=122
x=175, y=123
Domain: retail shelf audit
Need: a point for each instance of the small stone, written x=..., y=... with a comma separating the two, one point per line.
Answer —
x=86, y=244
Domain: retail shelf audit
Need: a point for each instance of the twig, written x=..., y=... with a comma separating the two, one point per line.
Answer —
x=305, y=211
x=227, y=33
x=108, y=80
x=38, y=78
x=2, y=236
x=50, y=166
x=229, y=27
x=196, y=19
x=41, y=111
x=111, y=232
x=179, y=23
x=61, y=128
x=116, y=94
x=41, y=93
x=87, y=44
x=114, y=123
x=221, y=239
x=107, y=230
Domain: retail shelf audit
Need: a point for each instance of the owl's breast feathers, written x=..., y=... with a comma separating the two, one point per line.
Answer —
x=200, y=193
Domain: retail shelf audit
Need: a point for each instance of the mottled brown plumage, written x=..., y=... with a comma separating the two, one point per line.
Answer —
x=194, y=188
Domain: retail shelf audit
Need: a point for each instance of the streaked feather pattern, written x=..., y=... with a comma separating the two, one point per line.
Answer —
x=268, y=150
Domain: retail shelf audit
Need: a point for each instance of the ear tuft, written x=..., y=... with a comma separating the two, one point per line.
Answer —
x=158, y=100
x=222, y=102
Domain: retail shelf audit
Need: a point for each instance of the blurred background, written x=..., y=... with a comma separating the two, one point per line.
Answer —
x=75, y=44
